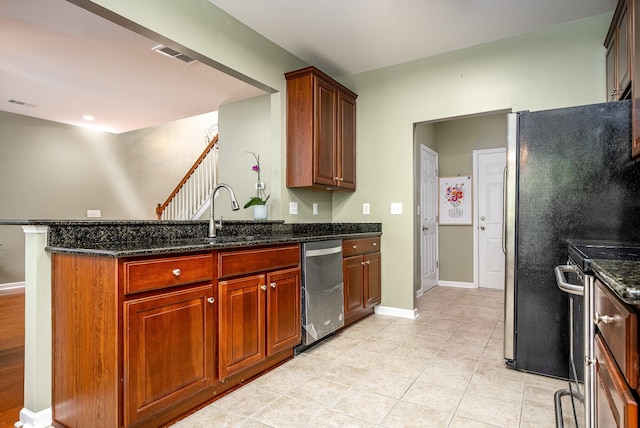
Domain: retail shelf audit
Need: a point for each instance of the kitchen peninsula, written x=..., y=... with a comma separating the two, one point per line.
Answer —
x=150, y=319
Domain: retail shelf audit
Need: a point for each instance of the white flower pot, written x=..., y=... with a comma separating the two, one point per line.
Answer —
x=260, y=212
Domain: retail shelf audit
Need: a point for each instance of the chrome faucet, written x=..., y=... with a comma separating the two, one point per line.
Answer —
x=234, y=207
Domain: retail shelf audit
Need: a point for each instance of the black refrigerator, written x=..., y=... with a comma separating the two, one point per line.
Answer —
x=569, y=176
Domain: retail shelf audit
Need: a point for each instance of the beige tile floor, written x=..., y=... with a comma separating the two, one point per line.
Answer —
x=444, y=369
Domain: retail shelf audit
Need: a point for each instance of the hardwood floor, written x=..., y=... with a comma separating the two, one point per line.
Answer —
x=11, y=355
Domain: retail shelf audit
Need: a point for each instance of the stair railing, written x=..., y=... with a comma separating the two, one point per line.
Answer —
x=191, y=195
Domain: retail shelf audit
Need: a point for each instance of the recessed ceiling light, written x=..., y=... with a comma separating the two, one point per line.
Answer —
x=88, y=117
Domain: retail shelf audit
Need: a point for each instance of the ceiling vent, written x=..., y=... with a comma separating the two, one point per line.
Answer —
x=173, y=54
x=22, y=103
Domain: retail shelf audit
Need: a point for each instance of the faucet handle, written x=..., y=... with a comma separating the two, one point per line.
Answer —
x=219, y=225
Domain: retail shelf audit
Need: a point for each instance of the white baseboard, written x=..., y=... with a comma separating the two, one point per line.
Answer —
x=456, y=284
x=419, y=292
x=396, y=312
x=9, y=288
x=28, y=419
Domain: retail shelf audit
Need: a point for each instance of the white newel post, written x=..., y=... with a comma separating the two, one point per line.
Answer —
x=37, y=331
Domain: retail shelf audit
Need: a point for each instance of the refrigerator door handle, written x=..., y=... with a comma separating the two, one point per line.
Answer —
x=504, y=211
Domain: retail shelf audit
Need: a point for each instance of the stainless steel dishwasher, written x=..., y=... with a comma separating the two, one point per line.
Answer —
x=322, y=291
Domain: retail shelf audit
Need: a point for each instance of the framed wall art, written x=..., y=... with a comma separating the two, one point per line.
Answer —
x=455, y=200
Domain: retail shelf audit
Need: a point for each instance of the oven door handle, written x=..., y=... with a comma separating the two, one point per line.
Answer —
x=563, y=284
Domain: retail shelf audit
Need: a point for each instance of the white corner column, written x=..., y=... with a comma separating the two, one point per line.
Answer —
x=37, y=338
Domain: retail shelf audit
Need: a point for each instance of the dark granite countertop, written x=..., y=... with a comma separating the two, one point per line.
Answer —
x=131, y=238
x=621, y=276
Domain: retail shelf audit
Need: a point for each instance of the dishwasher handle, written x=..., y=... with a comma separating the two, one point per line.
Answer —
x=563, y=284
x=323, y=251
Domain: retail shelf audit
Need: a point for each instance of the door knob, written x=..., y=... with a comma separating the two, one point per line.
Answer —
x=425, y=228
x=482, y=218
x=482, y=227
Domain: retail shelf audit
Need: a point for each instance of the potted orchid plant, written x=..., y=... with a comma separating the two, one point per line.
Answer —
x=259, y=201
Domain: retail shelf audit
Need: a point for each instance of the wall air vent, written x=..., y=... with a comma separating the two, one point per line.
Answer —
x=173, y=54
x=22, y=103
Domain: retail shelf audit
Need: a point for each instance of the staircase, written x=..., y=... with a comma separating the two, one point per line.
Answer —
x=192, y=196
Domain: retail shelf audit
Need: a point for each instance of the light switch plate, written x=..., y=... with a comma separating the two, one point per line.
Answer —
x=94, y=213
x=315, y=209
x=396, y=208
x=366, y=208
x=293, y=208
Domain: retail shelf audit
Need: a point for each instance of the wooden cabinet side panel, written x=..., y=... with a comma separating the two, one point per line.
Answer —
x=346, y=151
x=372, y=289
x=85, y=308
x=241, y=327
x=300, y=131
x=635, y=79
x=283, y=310
x=168, y=350
x=624, y=52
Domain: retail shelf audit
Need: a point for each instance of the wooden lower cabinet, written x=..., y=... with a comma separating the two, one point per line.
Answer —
x=361, y=271
x=259, y=316
x=615, y=404
x=168, y=349
x=140, y=342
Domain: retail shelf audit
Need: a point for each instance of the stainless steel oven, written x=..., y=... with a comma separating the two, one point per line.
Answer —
x=573, y=280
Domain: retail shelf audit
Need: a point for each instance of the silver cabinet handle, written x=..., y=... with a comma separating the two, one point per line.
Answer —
x=375, y=244
x=589, y=361
x=273, y=285
x=211, y=300
x=176, y=272
x=604, y=319
x=355, y=247
x=264, y=287
x=362, y=263
x=368, y=262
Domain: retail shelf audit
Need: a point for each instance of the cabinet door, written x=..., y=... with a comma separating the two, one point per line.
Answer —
x=615, y=405
x=372, y=289
x=353, y=277
x=346, y=150
x=283, y=310
x=612, y=79
x=623, y=54
x=324, y=133
x=241, y=327
x=168, y=350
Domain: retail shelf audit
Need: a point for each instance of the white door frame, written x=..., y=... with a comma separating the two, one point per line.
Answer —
x=421, y=290
x=476, y=203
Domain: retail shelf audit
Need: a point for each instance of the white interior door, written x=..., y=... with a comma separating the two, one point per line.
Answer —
x=428, y=215
x=490, y=259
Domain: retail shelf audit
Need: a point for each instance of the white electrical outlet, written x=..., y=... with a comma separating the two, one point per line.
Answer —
x=94, y=213
x=293, y=208
x=315, y=209
x=366, y=208
x=396, y=208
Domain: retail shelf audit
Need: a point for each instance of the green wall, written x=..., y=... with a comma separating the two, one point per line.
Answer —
x=556, y=67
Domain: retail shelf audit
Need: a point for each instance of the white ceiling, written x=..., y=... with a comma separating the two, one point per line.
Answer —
x=64, y=62
x=343, y=37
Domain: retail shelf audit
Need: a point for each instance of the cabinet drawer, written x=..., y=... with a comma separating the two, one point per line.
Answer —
x=241, y=262
x=143, y=275
x=353, y=247
x=615, y=404
x=619, y=328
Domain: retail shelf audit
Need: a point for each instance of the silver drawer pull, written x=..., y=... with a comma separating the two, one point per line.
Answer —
x=355, y=247
x=375, y=244
x=264, y=287
x=177, y=272
x=273, y=285
x=604, y=319
x=211, y=300
x=368, y=262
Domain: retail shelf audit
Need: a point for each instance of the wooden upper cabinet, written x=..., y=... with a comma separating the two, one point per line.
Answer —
x=321, y=127
x=634, y=11
x=620, y=56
